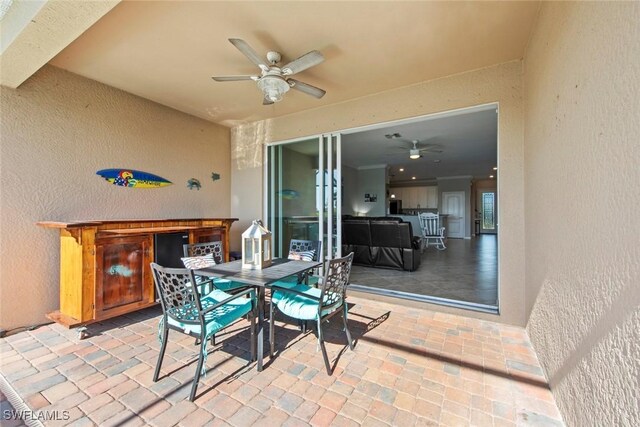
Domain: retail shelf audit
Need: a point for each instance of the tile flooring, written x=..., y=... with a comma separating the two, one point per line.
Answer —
x=409, y=367
x=466, y=271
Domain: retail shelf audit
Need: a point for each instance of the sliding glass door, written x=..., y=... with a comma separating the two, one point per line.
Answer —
x=302, y=193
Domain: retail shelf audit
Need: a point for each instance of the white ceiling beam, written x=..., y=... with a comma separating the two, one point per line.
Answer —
x=33, y=37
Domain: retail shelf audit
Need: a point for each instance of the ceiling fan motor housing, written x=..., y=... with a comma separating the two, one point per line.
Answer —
x=273, y=57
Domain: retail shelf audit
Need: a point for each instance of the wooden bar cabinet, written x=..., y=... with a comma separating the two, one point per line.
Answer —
x=104, y=265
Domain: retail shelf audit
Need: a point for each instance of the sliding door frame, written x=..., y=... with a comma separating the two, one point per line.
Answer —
x=326, y=190
x=337, y=134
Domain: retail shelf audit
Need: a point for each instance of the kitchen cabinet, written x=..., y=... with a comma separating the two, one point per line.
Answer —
x=411, y=194
x=432, y=197
x=425, y=197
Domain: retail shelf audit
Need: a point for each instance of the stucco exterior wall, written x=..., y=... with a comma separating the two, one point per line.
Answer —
x=582, y=168
x=501, y=84
x=57, y=130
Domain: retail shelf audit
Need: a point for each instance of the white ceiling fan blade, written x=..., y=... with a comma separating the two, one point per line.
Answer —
x=306, y=88
x=248, y=51
x=430, y=150
x=234, y=78
x=307, y=60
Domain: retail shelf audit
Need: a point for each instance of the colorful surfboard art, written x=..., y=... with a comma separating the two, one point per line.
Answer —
x=133, y=178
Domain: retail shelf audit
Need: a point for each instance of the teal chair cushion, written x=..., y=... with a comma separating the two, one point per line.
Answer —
x=225, y=285
x=217, y=319
x=298, y=306
x=291, y=282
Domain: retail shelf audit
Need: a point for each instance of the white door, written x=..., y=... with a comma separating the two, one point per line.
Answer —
x=453, y=206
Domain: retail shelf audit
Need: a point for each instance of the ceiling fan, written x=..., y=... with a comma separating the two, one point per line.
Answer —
x=274, y=80
x=415, y=150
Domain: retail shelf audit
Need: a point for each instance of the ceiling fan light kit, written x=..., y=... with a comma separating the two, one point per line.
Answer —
x=274, y=81
x=273, y=87
x=415, y=151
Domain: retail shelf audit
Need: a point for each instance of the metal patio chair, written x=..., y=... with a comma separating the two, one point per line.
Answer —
x=306, y=250
x=215, y=248
x=187, y=312
x=305, y=302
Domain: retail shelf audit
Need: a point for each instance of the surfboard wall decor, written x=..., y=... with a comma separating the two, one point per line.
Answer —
x=133, y=178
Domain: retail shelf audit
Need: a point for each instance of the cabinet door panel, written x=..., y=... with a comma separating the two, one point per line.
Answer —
x=432, y=197
x=122, y=274
x=413, y=197
x=422, y=201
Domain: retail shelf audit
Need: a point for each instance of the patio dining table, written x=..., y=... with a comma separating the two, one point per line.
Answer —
x=260, y=279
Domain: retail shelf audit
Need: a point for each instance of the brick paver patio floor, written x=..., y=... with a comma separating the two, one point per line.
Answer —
x=409, y=367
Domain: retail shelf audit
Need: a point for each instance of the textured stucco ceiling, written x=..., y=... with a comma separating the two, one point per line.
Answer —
x=168, y=51
x=32, y=32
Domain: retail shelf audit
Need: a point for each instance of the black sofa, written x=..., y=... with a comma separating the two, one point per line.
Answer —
x=385, y=242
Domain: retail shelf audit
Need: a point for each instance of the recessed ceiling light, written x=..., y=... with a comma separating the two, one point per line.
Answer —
x=495, y=168
x=490, y=176
x=413, y=177
x=436, y=161
x=401, y=169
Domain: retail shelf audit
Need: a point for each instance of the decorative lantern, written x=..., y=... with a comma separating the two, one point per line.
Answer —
x=256, y=247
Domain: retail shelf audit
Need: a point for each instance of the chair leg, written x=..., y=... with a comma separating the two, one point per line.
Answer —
x=163, y=347
x=441, y=246
x=272, y=334
x=323, y=348
x=213, y=340
x=196, y=379
x=346, y=326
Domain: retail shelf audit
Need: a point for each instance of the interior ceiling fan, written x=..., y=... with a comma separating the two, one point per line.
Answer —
x=274, y=80
x=415, y=149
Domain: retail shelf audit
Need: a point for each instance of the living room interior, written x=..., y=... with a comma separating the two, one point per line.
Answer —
x=128, y=84
x=456, y=152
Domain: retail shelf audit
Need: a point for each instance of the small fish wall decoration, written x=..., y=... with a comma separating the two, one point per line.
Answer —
x=215, y=176
x=194, y=183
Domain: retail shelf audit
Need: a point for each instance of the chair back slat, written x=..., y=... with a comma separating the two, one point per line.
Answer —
x=336, y=279
x=178, y=297
x=430, y=224
x=200, y=249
